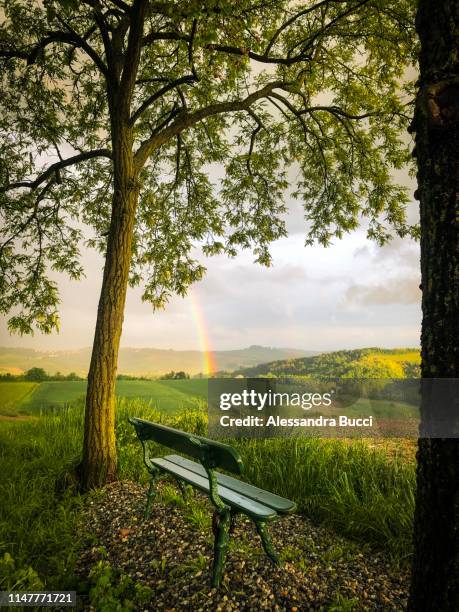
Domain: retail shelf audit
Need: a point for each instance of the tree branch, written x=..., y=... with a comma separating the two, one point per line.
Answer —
x=54, y=168
x=231, y=50
x=265, y=59
x=336, y=110
x=333, y=110
x=121, y=5
x=149, y=101
x=153, y=36
x=331, y=23
x=294, y=17
x=132, y=55
x=186, y=120
x=253, y=137
x=70, y=37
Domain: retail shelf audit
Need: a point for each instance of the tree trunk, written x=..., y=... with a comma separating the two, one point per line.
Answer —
x=435, y=575
x=99, y=450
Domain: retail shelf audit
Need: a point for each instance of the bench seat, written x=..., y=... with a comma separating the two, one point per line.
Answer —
x=245, y=504
x=281, y=505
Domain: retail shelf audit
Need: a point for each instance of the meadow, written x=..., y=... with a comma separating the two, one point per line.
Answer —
x=23, y=398
x=13, y=395
x=359, y=489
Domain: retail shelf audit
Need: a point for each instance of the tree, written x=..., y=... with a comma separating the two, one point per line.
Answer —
x=114, y=113
x=36, y=375
x=435, y=581
x=181, y=375
x=73, y=376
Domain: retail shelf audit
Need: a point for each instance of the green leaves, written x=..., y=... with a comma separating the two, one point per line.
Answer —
x=331, y=132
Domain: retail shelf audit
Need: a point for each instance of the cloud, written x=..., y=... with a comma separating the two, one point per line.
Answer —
x=404, y=290
x=314, y=298
x=398, y=251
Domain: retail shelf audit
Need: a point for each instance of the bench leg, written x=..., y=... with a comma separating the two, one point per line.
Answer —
x=215, y=521
x=183, y=489
x=233, y=522
x=151, y=494
x=267, y=542
x=220, y=546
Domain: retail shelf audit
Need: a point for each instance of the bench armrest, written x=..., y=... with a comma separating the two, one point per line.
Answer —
x=208, y=464
x=146, y=456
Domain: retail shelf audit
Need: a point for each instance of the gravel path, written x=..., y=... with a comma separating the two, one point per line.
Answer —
x=172, y=553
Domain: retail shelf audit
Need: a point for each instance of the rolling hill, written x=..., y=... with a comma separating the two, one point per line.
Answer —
x=142, y=361
x=359, y=363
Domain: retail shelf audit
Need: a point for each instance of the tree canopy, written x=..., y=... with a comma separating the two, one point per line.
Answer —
x=228, y=104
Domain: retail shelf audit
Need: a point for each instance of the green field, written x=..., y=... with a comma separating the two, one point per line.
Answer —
x=361, y=490
x=170, y=396
x=13, y=395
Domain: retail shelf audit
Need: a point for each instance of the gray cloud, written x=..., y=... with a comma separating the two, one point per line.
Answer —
x=404, y=290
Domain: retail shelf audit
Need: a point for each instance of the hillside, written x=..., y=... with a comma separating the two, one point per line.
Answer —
x=359, y=363
x=142, y=361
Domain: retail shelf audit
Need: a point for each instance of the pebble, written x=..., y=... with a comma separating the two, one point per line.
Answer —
x=166, y=554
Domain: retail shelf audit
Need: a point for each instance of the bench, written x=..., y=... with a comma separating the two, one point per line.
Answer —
x=230, y=496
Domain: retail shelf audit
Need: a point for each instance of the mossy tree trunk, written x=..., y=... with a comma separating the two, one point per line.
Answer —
x=99, y=454
x=435, y=576
x=99, y=464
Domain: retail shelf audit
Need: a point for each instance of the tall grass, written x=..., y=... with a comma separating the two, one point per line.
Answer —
x=130, y=464
x=39, y=501
x=38, y=508
x=360, y=491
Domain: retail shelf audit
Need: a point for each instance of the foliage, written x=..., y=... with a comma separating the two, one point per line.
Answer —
x=35, y=375
x=344, y=604
x=113, y=591
x=13, y=578
x=39, y=508
x=39, y=375
x=175, y=375
x=260, y=91
x=130, y=377
x=359, y=363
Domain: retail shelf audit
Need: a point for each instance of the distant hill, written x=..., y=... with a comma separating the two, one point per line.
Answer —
x=359, y=363
x=142, y=361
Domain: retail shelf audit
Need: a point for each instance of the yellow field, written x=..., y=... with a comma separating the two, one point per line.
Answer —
x=388, y=366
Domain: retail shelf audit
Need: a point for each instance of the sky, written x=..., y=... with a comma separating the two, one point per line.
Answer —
x=351, y=294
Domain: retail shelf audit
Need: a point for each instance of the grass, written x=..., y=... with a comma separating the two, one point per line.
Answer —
x=38, y=510
x=193, y=386
x=171, y=396
x=13, y=395
x=52, y=394
x=358, y=490
x=361, y=491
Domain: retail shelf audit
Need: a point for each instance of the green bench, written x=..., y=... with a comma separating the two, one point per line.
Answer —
x=229, y=496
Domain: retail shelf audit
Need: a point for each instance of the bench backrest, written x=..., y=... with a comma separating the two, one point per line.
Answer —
x=210, y=453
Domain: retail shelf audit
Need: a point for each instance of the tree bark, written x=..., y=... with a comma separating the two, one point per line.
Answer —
x=435, y=571
x=99, y=451
x=99, y=464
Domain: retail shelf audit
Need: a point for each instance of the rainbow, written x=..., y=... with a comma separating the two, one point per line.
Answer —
x=209, y=366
